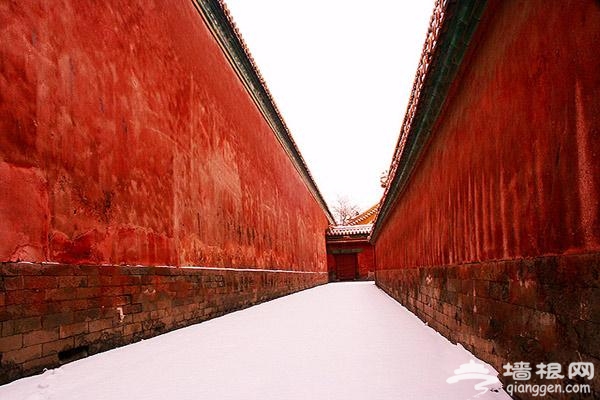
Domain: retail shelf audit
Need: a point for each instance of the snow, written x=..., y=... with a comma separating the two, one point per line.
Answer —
x=338, y=341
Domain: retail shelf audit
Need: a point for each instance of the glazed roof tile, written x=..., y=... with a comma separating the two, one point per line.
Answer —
x=349, y=230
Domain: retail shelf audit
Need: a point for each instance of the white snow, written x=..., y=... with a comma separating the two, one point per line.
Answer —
x=338, y=341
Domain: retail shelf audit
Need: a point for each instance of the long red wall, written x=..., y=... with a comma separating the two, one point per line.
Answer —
x=127, y=138
x=511, y=173
x=512, y=170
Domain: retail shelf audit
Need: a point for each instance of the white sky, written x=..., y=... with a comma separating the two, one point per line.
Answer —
x=340, y=72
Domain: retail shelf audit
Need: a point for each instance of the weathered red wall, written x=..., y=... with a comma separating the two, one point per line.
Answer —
x=496, y=240
x=512, y=169
x=365, y=258
x=127, y=138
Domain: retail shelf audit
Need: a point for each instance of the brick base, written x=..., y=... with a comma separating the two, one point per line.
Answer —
x=51, y=314
x=534, y=310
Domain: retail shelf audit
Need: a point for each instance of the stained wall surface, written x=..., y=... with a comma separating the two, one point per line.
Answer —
x=127, y=138
x=512, y=169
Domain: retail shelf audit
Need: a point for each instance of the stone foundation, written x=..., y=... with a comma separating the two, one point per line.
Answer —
x=51, y=314
x=535, y=310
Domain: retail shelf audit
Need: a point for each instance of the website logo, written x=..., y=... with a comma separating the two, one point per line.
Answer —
x=477, y=372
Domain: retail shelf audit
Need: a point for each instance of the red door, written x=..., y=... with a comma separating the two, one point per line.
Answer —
x=346, y=266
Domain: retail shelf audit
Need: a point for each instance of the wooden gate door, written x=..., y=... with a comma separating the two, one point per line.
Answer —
x=346, y=266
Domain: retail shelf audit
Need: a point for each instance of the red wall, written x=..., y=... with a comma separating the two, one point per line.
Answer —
x=495, y=241
x=512, y=170
x=127, y=138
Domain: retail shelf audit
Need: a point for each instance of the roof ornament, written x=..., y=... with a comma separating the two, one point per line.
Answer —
x=383, y=179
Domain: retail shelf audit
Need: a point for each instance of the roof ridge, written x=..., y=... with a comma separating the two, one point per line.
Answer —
x=451, y=27
x=364, y=215
x=220, y=21
x=435, y=22
x=261, y=79
x=345, y=230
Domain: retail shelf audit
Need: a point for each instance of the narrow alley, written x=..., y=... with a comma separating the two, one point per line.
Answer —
x=337, y=341
x=165, y=235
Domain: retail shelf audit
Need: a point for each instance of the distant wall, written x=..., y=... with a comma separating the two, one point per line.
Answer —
x=507, y=193
x=126, y=138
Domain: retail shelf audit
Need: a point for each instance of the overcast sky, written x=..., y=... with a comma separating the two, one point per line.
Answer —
x=340, y=72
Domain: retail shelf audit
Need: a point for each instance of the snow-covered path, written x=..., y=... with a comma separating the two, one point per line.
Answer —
x=338, y=341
